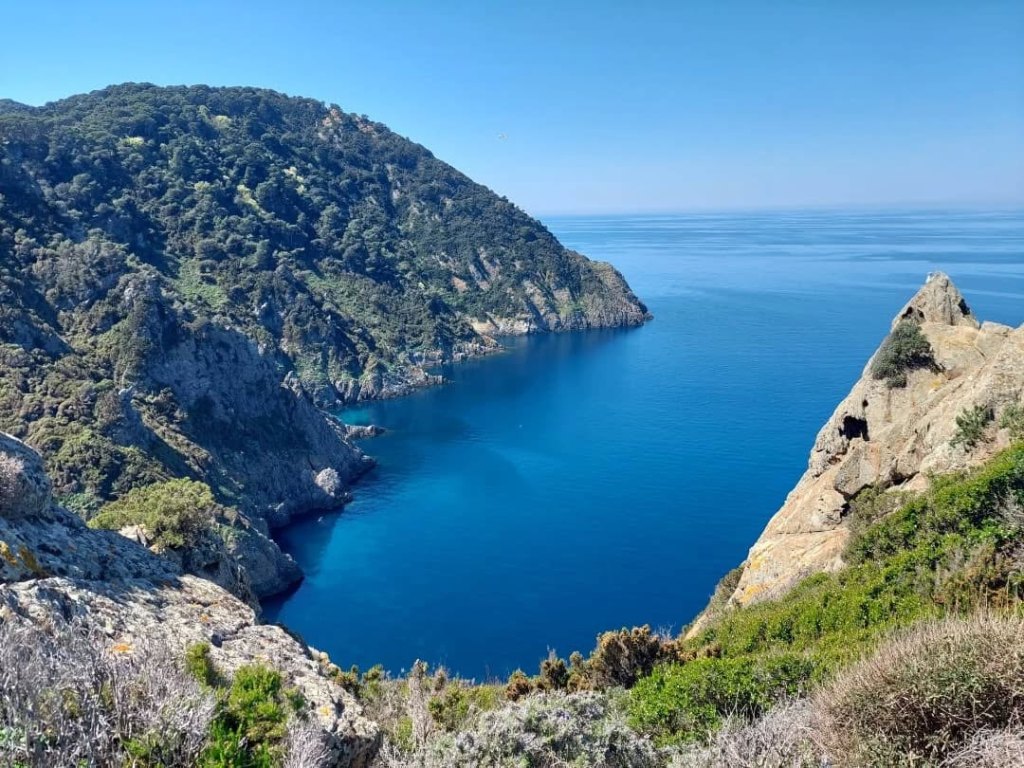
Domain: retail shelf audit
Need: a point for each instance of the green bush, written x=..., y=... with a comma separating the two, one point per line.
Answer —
x=970, y=426
x=926, y=693
x=199, y=665
x=1013, y=421
x=173, y=513
x=903, y=350
x=251, y=725
x=457, y=702
x=686, y=702
x=949, y=548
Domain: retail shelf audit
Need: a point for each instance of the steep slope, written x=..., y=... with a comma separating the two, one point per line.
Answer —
x=893, y=434
x=54, y=571
x=187, y=274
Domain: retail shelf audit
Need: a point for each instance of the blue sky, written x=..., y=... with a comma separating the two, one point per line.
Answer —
x=604, y=107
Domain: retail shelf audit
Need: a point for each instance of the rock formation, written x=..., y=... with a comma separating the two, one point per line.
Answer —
x=891, y=437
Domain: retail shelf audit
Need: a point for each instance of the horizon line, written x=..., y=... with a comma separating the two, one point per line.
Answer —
x=919, y=207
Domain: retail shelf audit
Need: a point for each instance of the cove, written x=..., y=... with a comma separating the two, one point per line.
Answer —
x=589, y=481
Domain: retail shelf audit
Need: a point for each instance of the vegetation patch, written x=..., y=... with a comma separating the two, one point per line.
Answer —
x=903, y=350
x=926, y=693
x=173, y=514
x=971, y=426
x=250, y=728
x=685, y=702
x=1012, y=420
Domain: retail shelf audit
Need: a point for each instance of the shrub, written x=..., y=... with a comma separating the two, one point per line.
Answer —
x=991, y=749
x=903, y=350
x=71, y=697
x=781, y=738
x=10, y=469
x=199, y=665
x=970, y=426
x=620, y=659
x=554, y=675
x=686, y=702
x=250, y=728
x=925, y=694
x=305, y=747
x=549, y=729
x=724, y=590
x=173, y=513
x=1012, y=420
x=518, y=686
x=872, y=504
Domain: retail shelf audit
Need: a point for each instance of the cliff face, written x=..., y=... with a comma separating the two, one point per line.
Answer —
x=892, y=437
x=54, y=570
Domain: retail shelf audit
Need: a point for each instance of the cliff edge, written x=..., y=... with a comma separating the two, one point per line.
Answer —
x=892, y=432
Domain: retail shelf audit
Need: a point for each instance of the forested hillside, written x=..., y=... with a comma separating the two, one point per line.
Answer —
x=170, y=256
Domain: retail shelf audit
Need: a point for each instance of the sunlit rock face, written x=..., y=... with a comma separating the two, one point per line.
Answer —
x=891, y=437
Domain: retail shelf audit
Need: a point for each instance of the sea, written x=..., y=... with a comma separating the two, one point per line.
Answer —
x=589, y=481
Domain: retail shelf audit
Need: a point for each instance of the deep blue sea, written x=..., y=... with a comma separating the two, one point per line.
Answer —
x=597, y=480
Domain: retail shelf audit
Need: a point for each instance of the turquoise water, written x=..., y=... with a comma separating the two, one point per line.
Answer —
x=590, y=481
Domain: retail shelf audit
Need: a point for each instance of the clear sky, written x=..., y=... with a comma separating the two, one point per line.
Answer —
x=595, y=106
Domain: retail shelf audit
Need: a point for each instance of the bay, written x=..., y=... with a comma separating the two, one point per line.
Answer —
x=582, y=482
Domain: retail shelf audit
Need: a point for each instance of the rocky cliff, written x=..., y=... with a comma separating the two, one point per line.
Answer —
x=55, y=570
x=893, y=433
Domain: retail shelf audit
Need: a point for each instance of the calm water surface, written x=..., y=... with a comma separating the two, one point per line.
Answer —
x=597, y=480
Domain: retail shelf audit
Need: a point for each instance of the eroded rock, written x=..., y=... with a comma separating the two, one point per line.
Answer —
x=890, y=437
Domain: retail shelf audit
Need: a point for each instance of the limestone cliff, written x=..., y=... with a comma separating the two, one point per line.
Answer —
x=54, y=569
x=891, y=437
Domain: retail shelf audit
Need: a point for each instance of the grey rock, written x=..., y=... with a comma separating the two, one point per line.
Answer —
x=24, y=484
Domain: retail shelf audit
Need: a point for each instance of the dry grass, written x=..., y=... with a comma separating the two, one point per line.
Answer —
x=926, y=694
x=991, y=749
x=782, y=738
x=69, y=697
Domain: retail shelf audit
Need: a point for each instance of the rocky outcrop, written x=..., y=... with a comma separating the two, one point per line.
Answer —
x=55, y=569
x=363, y=431
x=271, y=446
x=891, y=437
x=613, y=305
x=235, y=553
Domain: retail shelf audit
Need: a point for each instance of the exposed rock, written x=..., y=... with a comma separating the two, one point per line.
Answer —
x=24, y=485
x=235, y=554
x=362, y=431
x=268, y=570
x=53, y=568
x=303, y=462
x=890, y=437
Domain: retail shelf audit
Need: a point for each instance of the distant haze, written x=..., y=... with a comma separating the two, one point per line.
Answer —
x=600, y=106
